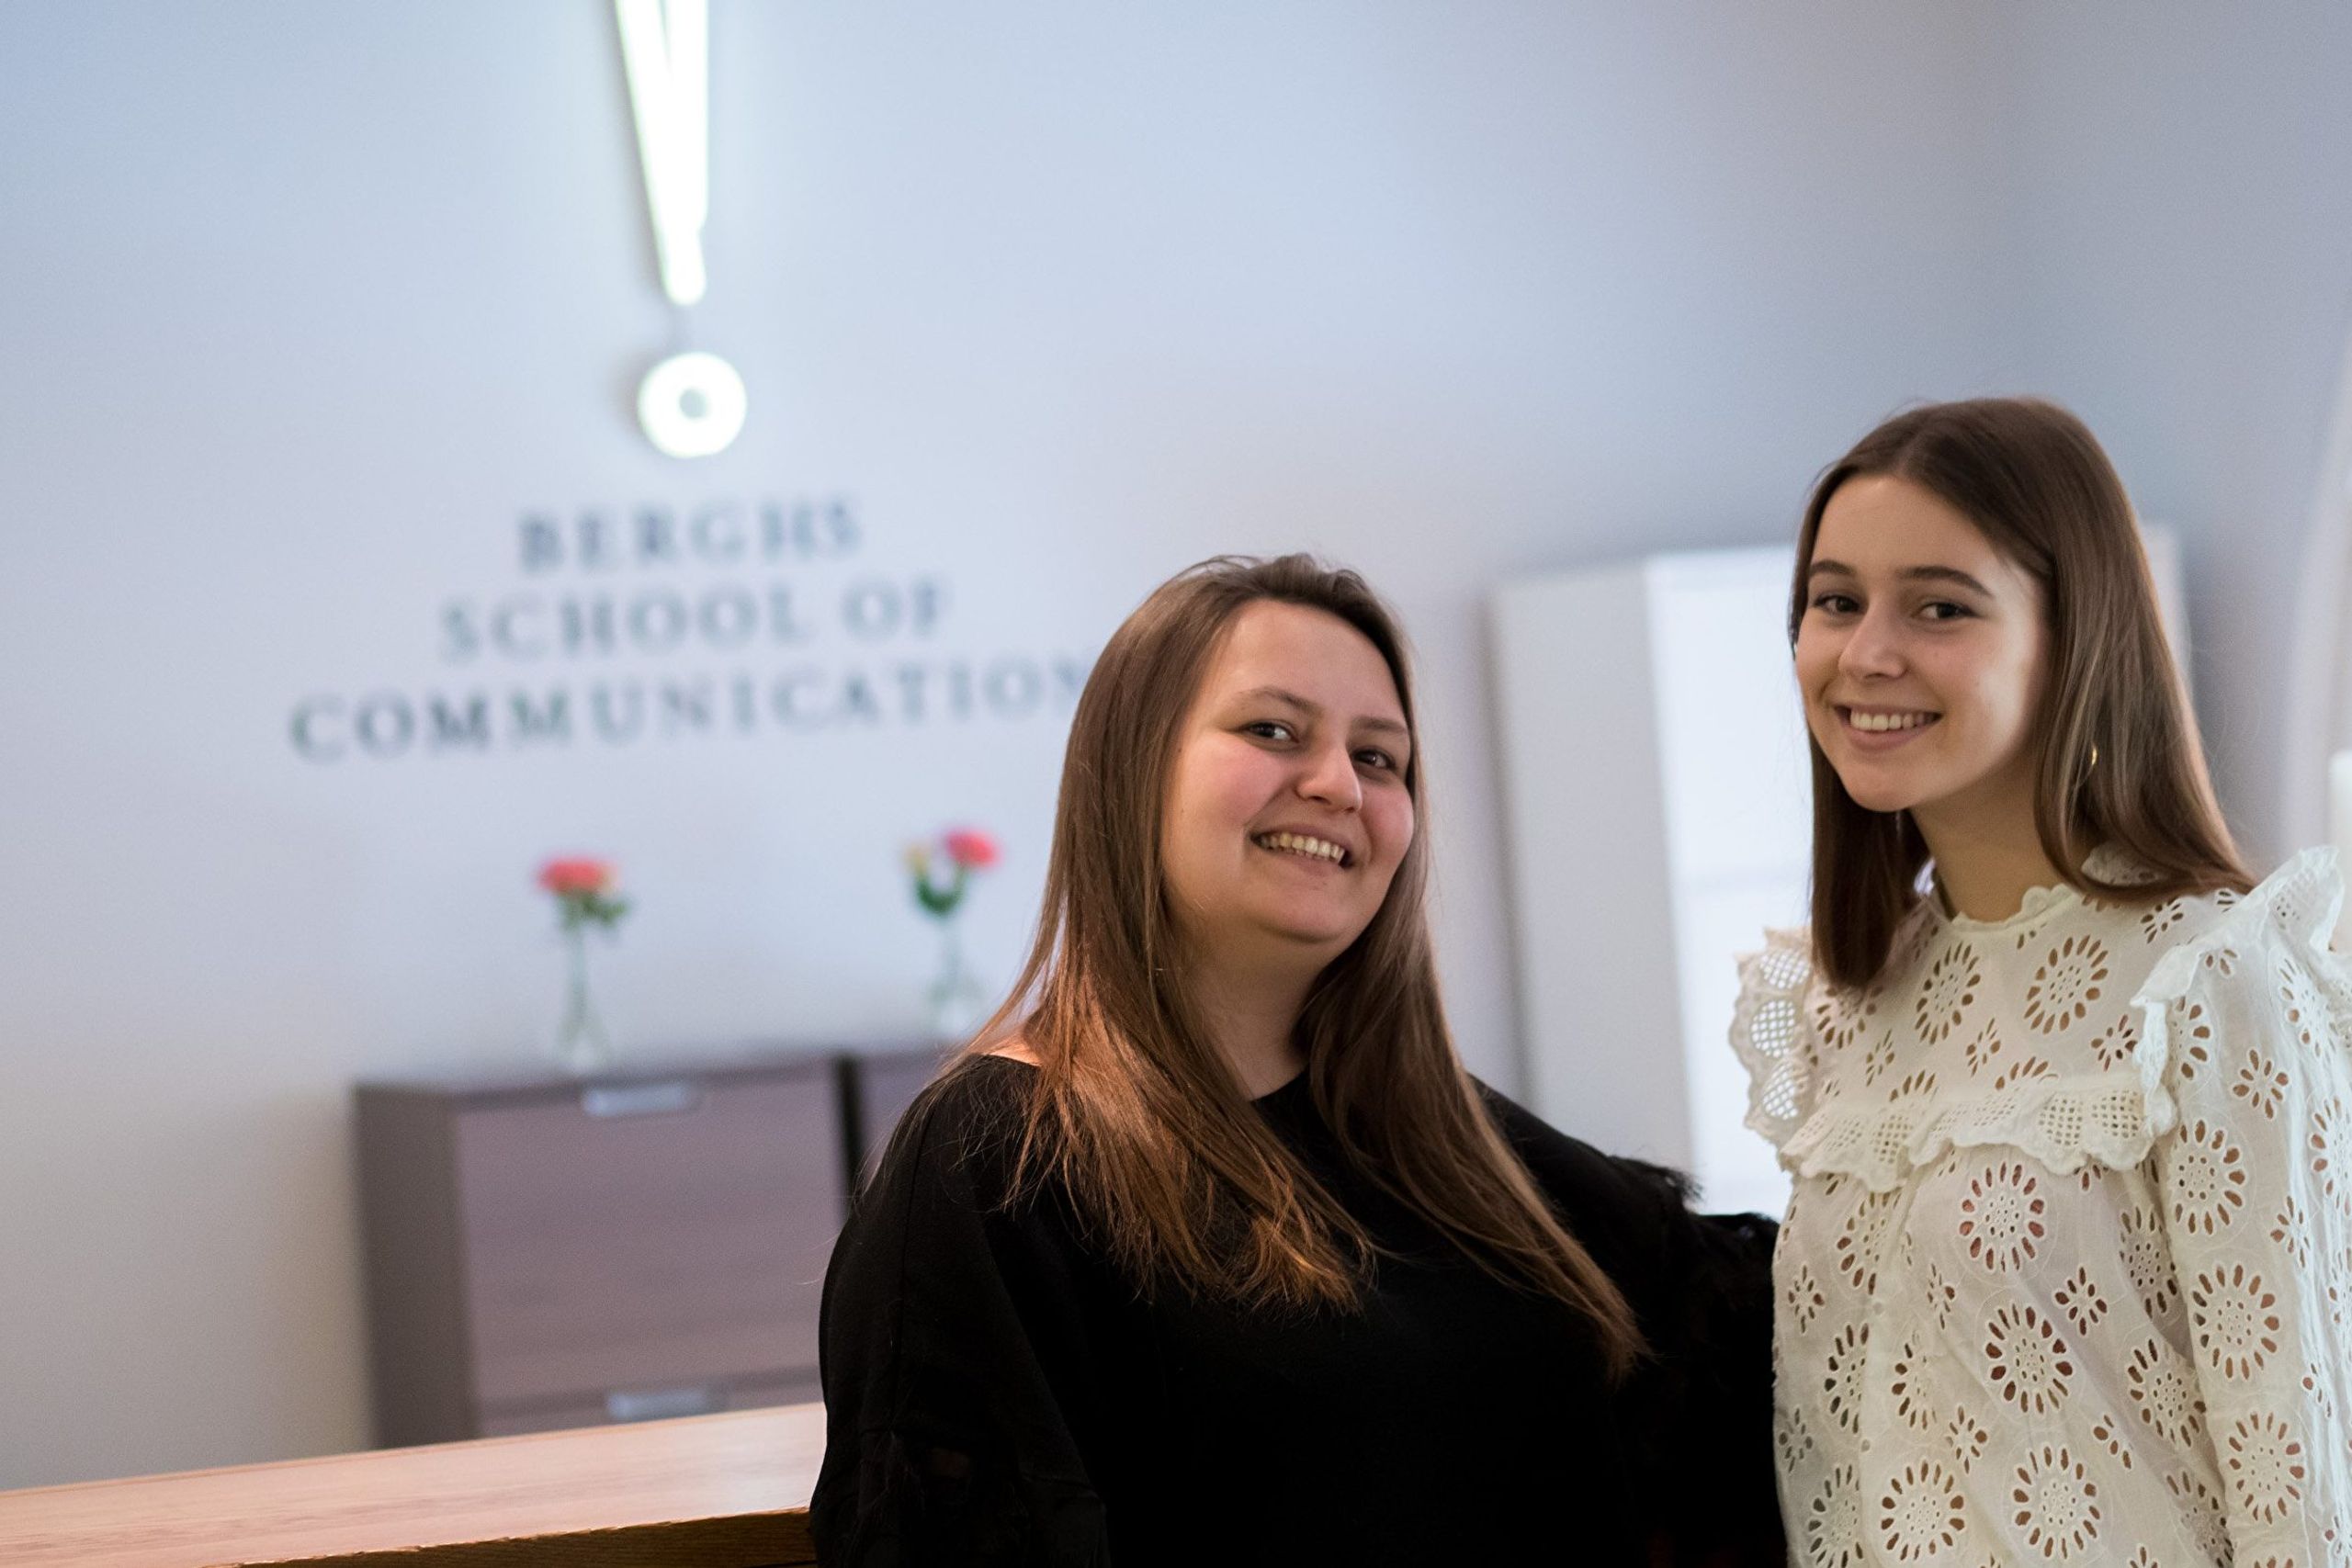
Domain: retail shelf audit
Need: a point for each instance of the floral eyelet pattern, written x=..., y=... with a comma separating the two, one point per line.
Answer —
x=2193, y=1034
x=2265, y=1466
x=2111, y=1435
x=1953, y=980
x=2201, y=1508
x=2324, y=1142
x=1917, y=1086
x=2067, y=1275
x=2162, y=918
x=1840, y=1018
x=1982, y=1048
x=1921, y=1515
x=1863, y=1239
x=2072, y=980
x=1833, y=1524
x=2164, y=1393
x=2025, y=1360
x=2057, y=1505
x=2235, y=1319
x=2114, y=1047
x=1877, y=1060
x=2306, y=1009
x=2003, y=1217
x=2292, y=1232
x=1802, y=1301
x=2262, y=1084
x=2207, y=1178
x=2080, y=1299
x=1842, y=1376
x=2022, y=1072
x=1967, y=1437
x=1791, y=1437
x=1908, y=1388
x=1942, y=1297
x=2146, y=1259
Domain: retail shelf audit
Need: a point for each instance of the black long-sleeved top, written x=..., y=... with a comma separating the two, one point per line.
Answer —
x=996, y=1392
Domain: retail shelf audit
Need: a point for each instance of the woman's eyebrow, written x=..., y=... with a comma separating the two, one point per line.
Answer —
x=1314, y=710
x=1944, y=574
x=1908, y=574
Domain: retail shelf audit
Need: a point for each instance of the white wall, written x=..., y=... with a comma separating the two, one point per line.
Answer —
x=304, y=307
x=2181, y=267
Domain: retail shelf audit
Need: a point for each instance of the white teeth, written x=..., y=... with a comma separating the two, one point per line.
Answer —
x=1880, y=723
x=1299, y=843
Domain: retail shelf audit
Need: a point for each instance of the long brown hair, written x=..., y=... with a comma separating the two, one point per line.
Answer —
x=1134, y=1110
x=2120, y=760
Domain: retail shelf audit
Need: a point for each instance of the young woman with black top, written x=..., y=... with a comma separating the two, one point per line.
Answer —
x=1210, y=1251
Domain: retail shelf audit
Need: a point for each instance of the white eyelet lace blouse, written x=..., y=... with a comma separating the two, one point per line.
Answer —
x=2066, y=1277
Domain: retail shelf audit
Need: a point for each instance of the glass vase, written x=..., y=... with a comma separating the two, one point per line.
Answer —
x=955, y=1005
x=583, y=1044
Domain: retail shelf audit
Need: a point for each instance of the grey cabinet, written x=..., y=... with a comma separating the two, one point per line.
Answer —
x=547, y=1252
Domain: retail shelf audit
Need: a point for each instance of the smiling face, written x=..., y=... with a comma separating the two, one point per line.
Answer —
x=1920, y=655
x=1287, y=811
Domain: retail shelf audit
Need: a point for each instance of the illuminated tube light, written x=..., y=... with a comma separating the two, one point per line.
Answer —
x=666, y=48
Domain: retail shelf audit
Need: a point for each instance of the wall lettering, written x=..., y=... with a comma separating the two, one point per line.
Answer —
x=619, y=634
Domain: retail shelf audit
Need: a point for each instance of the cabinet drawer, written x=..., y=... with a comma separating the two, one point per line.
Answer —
x=647, y=1234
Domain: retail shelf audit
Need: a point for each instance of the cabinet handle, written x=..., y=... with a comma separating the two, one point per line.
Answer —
x=642, y=1099
x=660, y=1404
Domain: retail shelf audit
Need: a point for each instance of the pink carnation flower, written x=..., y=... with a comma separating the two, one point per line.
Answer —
x=574, y=876
x=970, y=848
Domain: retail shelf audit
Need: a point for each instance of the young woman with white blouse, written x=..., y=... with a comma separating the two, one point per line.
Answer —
x=2066, y=1276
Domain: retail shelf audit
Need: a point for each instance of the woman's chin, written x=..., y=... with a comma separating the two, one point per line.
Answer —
x=1883, y=795
x=1314, y=939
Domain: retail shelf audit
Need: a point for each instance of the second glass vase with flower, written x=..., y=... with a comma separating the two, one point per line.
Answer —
x=584, y=897
x=955, y=1004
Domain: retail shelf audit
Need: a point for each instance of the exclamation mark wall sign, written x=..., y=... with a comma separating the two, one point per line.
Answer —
x=691, y=404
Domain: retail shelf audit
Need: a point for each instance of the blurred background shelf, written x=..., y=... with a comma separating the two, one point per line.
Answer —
x=545, y=1251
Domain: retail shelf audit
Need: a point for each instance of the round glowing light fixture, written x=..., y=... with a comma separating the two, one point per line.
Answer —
x=691, y=405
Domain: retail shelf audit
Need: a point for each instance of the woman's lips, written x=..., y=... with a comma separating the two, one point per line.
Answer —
x=1863, y=739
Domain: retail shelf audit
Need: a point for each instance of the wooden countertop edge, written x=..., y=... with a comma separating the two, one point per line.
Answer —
x=778, y=1539
x=728, y=1490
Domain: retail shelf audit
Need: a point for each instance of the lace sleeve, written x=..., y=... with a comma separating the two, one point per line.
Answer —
x=1773, y=1034
x=2250, y=1023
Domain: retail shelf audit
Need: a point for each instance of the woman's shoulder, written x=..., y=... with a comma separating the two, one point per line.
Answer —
x=1579, y=1177
x=963, y=1132
x=2285, y=924
x=1635, y=1218
x=976, y=1092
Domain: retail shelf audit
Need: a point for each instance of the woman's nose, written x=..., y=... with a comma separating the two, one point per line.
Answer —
x=1331, y=777
x=1871, y=650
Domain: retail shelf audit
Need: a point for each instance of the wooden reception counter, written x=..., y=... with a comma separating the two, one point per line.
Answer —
x=728, y=1491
